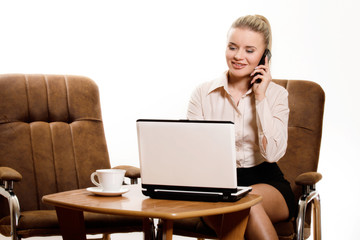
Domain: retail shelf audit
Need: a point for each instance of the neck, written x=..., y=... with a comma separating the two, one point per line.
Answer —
x=239, y=84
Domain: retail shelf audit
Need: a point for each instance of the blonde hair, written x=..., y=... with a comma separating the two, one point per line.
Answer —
x=256, y=23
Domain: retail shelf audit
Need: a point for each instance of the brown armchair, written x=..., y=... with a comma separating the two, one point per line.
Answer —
x=299, y=165
x=51, y=140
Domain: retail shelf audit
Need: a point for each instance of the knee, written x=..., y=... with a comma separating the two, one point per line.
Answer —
x=257, y=210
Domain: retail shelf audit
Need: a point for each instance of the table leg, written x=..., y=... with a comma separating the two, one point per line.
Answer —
x=72, y=226
x=234, y=225
x=148, y=229
x=167, y=229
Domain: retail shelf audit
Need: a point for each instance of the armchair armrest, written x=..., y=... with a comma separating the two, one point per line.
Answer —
x=9, y=174
x=131, y=172
x=7, y=177
x=308, y=178
x=308, y=181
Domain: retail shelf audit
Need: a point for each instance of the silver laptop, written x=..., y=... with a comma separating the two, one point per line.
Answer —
x=188, y=160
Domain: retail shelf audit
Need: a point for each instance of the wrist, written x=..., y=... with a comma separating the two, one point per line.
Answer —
x=259, y=97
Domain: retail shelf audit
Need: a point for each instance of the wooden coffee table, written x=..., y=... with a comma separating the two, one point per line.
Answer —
x=70, y=206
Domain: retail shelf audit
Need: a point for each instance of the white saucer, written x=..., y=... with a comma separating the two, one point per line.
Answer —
x=99, y=191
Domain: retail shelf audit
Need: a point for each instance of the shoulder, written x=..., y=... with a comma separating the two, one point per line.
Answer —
x=209, y=86
x=276, y=89
x=276, y=95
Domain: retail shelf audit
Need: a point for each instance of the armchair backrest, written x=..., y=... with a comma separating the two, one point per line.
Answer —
x=306, y=103
x=51, y=132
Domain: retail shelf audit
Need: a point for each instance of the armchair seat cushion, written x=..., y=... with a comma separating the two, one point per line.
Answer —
x=44, y=223
x=285, y=229
x=194, y=227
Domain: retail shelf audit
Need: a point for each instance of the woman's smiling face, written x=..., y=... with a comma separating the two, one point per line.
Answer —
x=244, y=51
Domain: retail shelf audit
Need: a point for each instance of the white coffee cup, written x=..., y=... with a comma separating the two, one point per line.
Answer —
x=110, y=180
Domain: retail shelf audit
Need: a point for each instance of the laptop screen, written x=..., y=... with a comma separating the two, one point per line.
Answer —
x=187, y=153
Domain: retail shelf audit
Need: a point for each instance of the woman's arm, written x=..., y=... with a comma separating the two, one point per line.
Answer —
x=195, y=111
x=272, y=114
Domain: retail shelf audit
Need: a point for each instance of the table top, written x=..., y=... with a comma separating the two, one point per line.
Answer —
x=134, y=203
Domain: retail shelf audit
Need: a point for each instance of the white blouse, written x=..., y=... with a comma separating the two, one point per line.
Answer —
x=253, y=119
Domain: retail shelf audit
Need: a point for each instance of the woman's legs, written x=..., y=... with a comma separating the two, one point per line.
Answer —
x=272, y=209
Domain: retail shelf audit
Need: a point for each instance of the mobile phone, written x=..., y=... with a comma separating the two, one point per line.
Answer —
x=262, y=62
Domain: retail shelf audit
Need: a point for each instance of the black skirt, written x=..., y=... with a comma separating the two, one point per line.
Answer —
x=268, y=173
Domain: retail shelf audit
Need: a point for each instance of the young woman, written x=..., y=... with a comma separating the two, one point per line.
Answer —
x=260, y=113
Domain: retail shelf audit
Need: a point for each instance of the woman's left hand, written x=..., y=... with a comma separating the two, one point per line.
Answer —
x=265, y=76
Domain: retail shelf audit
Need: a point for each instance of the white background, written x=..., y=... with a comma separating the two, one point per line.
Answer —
x=148, y=56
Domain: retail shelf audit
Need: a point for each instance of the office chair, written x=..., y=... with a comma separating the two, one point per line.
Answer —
x=299, y=165
x=51, y=140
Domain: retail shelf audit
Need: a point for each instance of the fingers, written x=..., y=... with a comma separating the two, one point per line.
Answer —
x=260, y=70
x=266, y=61
x=262, y=67
x=260, y=74
x=257, y=79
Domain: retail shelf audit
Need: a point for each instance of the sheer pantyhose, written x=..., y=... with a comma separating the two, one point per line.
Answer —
x=272, y=209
